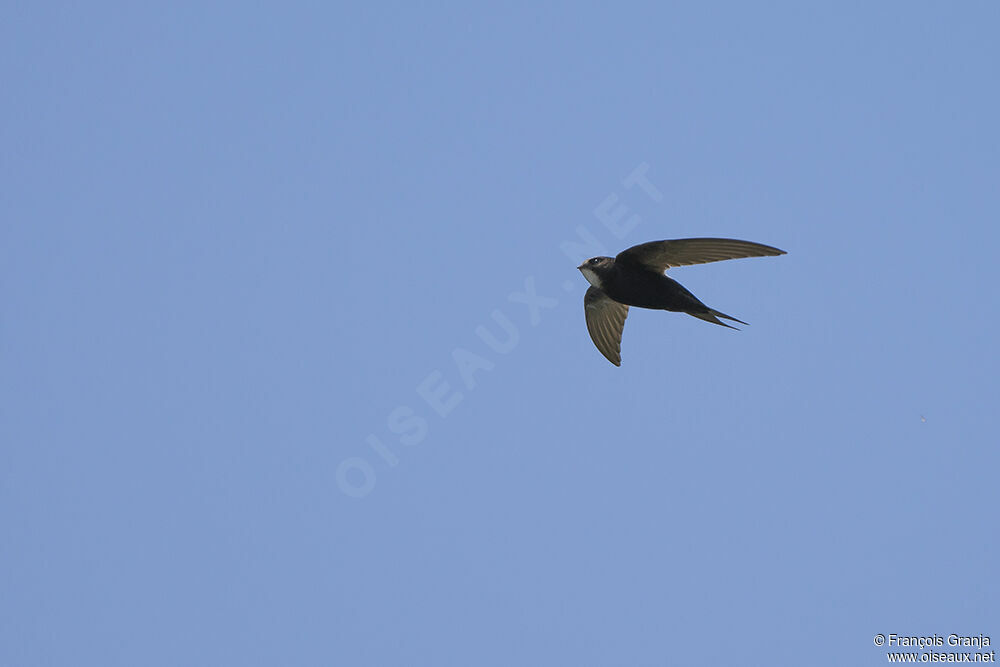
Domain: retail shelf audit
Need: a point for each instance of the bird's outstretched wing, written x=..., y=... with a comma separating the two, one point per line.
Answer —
x=605, y=321
x=661, y=255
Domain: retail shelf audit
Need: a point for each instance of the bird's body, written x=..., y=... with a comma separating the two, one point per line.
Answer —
x=647, y=289
x=636, y=278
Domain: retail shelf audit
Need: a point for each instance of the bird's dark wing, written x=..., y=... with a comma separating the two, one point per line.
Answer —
x=661, y=255
x=605, y=321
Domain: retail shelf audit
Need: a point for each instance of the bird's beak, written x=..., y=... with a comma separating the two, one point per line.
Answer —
x=580, y=268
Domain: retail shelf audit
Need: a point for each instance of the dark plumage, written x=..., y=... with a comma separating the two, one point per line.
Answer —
x=636, y=278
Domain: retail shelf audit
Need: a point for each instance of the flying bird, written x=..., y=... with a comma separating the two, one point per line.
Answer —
x=636, y=278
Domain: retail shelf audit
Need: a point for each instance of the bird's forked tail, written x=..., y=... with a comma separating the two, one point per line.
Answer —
x=712, y=315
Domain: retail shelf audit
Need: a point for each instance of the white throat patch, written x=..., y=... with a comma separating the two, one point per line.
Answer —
x=591, y=277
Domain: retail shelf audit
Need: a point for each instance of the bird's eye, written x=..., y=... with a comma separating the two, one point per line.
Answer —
x=594, y=261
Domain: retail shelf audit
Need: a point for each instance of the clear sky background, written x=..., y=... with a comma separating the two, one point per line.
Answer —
x=240, y=240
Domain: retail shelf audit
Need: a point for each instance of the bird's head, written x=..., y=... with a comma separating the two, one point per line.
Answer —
x=595, y=269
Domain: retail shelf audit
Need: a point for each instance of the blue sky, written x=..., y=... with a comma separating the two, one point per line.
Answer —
x=246, y=250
